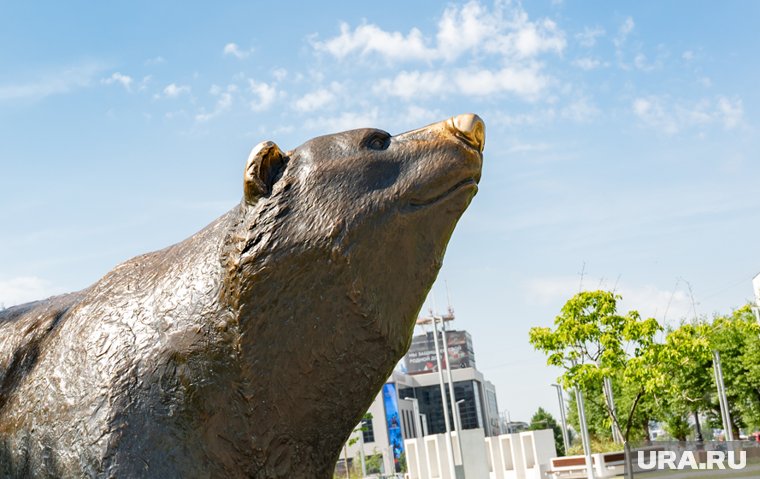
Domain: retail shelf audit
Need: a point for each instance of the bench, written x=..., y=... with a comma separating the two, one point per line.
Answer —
x=568, y=467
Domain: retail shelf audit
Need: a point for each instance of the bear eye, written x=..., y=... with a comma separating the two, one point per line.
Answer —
x=377, y=141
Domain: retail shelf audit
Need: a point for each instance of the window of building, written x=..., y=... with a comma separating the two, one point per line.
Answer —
x=368, y=432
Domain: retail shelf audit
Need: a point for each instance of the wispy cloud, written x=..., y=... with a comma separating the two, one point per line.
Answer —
x=265, y=95
x=232, y=49
x=474, y=31
x=671, y=117
x=223, y=102
x=587, y=63
x=173, y=90
x=318, y=99
x=54, y=82
x=525, y=82
x=587, y=38
x=120, y=78
x=504, y=30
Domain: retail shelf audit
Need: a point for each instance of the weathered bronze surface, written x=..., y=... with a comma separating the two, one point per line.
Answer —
x=252, y=348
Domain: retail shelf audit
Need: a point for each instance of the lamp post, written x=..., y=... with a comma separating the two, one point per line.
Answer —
x=449, y=447
x=563, y=417
x=452, y=398
x=459, y=434
x=509, y=422
x=361, y=453
x=584, y=433
x=722, y=399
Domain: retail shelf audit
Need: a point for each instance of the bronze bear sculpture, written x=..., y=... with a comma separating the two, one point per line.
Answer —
x=252, y=348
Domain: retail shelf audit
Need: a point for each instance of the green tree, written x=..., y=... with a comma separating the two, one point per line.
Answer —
x=543, y=420
x=685, y=360
x=597, y=419
x=592, y=341
x=737, y=337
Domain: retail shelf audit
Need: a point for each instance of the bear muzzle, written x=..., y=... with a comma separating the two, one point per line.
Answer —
x=470, y=128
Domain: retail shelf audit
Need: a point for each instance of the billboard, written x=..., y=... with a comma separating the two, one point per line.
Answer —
x=421, y=355
x=395, y=438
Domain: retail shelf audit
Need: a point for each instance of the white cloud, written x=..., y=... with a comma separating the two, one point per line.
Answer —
x=265, y=94
x=670, y=117
x=650, y=111
x=640, y=61
x=525, y=82
x=53, y=83
x=414, y=84
x=315, y=100
x=123, y=80
x=279, y=74
x=587, y=63
x=223, y=102
x=24, y=289
x=144, y=82
x=688, y=55
x=460, y=30
x=626, y=28
x=173, y=90
x=587, y=38
x=367, y=39
x=234, y=50
x=730, y=112
x=534, y=38
x=504, y=31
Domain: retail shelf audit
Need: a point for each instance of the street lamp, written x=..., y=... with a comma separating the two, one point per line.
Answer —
x=459, y=432
x=449, y=447
x=562, y=416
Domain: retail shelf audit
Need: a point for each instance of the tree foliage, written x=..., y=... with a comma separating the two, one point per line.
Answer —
x=592, y=341
x=671, y=381
x=542, y=419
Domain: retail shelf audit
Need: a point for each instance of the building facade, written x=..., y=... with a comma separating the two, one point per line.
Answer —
x=409, y=404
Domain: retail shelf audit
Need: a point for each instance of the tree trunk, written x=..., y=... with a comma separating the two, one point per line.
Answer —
x=698, y=428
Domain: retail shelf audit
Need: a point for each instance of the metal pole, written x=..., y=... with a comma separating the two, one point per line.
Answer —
x=361, y=454
x=459, y=437
x=449, y=447
x=722, y=397
x=452, y=398
x=617, y=434
x=563, y=417
x=584, y=433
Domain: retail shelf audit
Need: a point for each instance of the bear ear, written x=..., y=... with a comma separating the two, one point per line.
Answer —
x=264, y=164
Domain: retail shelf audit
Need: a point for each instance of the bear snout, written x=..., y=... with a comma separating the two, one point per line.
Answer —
x=470, y=128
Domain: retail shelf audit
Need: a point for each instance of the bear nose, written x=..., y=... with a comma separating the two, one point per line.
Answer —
x=471, y=128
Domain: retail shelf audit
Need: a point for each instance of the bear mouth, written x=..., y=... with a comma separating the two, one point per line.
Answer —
x=469, y=183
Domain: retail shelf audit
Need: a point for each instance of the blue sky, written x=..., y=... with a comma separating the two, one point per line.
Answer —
x=621, y=142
